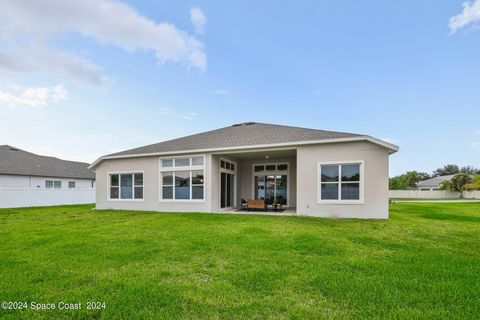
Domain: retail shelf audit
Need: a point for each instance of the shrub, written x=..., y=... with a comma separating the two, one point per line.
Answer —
x=475, y=185
x=457, y=183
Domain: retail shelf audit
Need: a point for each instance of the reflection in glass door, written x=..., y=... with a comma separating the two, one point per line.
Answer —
x=281, y=189
x=271, y=188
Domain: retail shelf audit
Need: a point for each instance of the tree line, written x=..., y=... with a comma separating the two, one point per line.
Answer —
x=464, y=178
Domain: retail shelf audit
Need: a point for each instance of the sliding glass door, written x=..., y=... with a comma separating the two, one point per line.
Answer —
x=271, y=188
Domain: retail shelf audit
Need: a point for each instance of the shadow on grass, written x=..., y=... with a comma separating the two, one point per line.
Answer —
x=450, y=217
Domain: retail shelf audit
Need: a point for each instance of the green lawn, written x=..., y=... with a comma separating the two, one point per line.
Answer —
x=432, y=199
x=423, y=263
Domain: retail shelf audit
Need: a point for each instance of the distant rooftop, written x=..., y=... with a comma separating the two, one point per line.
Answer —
x=434, y=182
x=14, y=161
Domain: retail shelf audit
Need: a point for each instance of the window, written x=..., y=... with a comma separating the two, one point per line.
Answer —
x=167, y=183
x=227, y=165
x=197, y=184
x=114, y=186
x=182, y=179
x=182, y=185
x=71, y=184
x=167, y=163
x=56, y=184
x=259, y=168
x=197, y=161
x=340, y=182
x=138, y=185
x=270, y=167
x=182, y=162
x=126, y=186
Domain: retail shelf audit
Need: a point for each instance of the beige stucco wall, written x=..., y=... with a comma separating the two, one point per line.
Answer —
x=375, y=159
x=303, y=182
x=151, y=177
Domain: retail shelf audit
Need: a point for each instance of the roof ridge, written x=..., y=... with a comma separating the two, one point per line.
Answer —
x=43, y=156
x=304, y=128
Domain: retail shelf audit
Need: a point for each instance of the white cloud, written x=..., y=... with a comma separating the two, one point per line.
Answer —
x=165, y=111
x=34, y=97
x=221, y=92
x=190, y=115
x=28, y=30
x=469, y=15
x=198, y=20
x=59, y=93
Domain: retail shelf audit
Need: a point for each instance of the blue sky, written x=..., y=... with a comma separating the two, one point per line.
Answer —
x=76, y=87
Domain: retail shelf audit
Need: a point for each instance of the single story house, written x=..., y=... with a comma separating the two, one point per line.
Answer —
x=311, y=172
x=433, y=184
x=28, y=179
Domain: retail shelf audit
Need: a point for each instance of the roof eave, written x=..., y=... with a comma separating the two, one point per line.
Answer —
x=389, y=146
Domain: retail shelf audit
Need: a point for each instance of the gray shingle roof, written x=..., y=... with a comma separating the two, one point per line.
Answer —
x=14, y=161
x=243, y=134
x=434, y=182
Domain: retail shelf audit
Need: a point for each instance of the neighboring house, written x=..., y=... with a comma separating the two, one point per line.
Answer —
x=28, y=179
x=312, y=172
x=432, y=184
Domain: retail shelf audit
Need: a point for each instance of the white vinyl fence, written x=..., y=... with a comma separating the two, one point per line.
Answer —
x=471, y=194
x=32, y=197
x=441, y=194
x=417, y=194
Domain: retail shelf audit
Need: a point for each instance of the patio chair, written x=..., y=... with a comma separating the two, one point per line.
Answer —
x=243, y=204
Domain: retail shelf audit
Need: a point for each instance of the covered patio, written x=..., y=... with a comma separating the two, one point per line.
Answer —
x=268, y=176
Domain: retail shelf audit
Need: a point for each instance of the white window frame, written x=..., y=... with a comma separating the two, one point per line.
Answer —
x=174, y=169
x=53, y=184
x=272, y=173
x=361, y=199
x=132, y=172
x=74, y=184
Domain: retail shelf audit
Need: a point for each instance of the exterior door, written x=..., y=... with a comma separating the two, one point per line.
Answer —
x=227, y=190
x=271, y=188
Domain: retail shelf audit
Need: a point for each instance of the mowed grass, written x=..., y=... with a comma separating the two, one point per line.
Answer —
x=423, y=263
